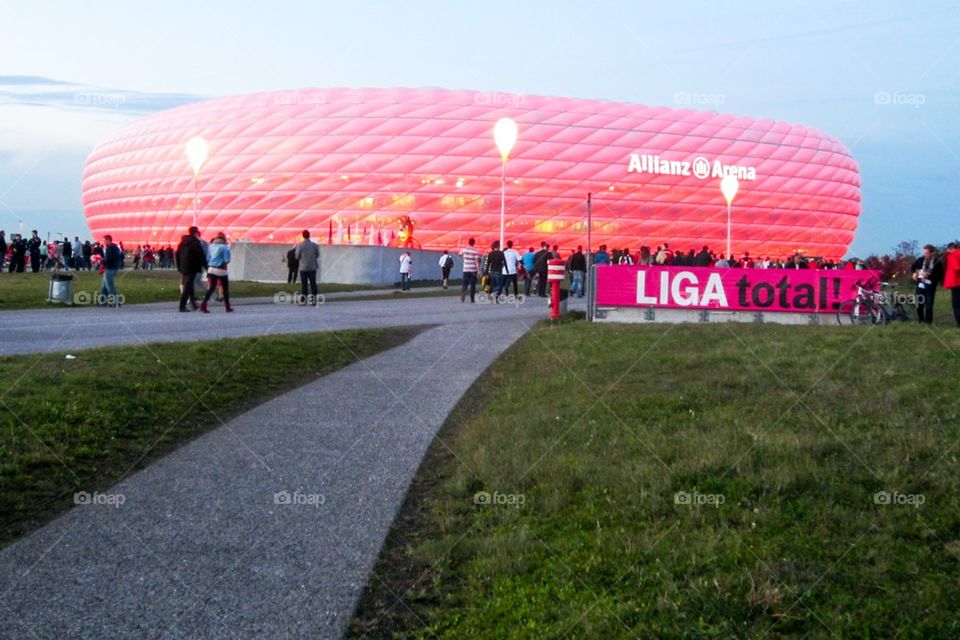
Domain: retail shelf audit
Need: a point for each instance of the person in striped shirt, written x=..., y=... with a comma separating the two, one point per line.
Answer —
x=471, y=267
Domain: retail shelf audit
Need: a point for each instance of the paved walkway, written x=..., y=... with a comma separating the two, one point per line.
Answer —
x=200, y=547
x=40, y=330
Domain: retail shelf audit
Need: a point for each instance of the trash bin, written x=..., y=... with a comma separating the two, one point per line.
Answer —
x=61, y=288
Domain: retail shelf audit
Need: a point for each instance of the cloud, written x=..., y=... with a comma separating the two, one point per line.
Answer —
x=37, y=91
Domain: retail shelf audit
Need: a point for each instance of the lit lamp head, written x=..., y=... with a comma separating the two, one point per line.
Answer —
x=196, y=153
x=729, y=185
x=505, y=135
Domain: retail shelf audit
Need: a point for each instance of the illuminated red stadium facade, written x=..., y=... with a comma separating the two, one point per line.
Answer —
x=351, y=164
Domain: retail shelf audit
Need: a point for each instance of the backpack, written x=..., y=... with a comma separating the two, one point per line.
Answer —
x=448, y=263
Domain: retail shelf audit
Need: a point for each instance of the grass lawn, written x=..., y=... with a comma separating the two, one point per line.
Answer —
x=688, y=481
x=30, y=290
x=83, y=424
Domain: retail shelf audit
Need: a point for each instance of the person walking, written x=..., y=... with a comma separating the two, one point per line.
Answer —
x=495, y=266
x=951, y=277
x=191, y=260
x=446, y=265
x=471, y=267
x=511, y=259
x=540, y=267
x=217, y=272
x=308, y=259
x=110, y=264
x=927, y=271
x=528, y=261
x=293, y=265
x=406, y=265
x=578, y=272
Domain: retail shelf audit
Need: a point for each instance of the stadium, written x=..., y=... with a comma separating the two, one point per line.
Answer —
x=419, y=168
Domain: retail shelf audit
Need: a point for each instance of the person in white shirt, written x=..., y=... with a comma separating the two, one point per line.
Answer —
x=511, y=258
x=446, y=264
x=405, y=271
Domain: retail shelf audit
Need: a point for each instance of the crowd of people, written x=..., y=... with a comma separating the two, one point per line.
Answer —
x=33, y=254
x=497, y=271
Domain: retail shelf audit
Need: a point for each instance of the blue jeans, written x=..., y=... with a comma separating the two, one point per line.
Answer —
x=108, y=290
x=499, y=284
x=469, y=280
x=405, y=282
x=576, y=283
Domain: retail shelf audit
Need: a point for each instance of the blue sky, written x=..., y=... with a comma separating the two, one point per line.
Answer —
x=880, y=75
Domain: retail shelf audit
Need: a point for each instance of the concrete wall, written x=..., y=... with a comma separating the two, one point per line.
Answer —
x=338, y=263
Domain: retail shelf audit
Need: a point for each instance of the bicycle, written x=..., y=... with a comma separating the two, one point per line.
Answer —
x=892, y=303
x=866, y=308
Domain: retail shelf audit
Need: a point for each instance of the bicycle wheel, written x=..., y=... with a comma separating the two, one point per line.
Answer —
x=855, y=312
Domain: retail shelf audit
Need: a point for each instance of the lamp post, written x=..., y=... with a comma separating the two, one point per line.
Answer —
x=728, y=186
x=505, y=135
x=197, y=155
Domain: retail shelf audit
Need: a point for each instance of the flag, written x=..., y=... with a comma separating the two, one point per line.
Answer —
x=330, y=231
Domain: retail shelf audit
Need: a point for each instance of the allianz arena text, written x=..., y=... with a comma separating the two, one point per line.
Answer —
x=419, y=167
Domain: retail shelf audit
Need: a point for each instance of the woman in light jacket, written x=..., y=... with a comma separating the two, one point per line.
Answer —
x=217, y=272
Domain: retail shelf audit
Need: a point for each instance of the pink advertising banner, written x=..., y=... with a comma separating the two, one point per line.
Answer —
x=783, y=290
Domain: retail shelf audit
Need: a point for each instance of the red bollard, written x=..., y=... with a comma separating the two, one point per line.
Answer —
x=555, y=273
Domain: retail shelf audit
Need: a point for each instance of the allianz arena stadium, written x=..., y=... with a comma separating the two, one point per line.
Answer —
x=370, y=166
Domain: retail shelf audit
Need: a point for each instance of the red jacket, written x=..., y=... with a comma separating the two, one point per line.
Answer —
x=951, y=276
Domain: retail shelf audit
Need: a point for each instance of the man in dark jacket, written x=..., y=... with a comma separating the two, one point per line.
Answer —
x=191, y=260
x=18, y=257
x=703, y=258
x=578, y=272
x=540, y=268
x=33, y=245
x=293, y=265
x=927, y=272
x=3, y=249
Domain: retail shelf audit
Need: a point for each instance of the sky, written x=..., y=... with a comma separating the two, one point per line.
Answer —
x=881, y=76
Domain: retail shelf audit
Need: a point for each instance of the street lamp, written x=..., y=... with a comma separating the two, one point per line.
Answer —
x=197, y=155
x=729, y=186
x=505, y=135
